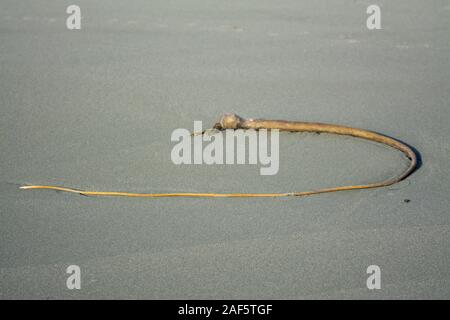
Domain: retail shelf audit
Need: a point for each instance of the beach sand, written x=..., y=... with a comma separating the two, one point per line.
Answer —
x=95, y=108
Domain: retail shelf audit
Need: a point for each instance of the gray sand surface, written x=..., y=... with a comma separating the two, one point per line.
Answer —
x=94, y=108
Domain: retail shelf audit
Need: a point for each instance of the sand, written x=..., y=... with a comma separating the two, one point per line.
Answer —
x=94, y=108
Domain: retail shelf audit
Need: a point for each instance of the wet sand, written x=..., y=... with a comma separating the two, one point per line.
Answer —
x=95, y=108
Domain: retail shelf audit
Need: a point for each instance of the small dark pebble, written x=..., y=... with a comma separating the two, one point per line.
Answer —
x=406, y=200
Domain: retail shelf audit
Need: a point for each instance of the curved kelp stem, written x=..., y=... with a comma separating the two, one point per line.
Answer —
x=232, y=121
